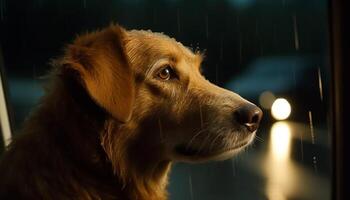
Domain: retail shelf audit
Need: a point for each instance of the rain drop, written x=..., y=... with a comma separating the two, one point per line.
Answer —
x=320, y=83
x=217, y=73
x=221, y=49
x=233, y=168
x=207, y=26
x=296, y=35
x=191, y=187
x=240, y=48
x=178, y=20
x=314, y=161
x=311, y=128
x=256, y=28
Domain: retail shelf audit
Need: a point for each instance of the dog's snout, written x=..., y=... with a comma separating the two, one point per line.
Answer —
x=249, y=116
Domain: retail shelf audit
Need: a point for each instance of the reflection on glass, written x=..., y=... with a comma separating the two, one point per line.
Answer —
x=280, y=141
x=278, y=164
x=287, y=178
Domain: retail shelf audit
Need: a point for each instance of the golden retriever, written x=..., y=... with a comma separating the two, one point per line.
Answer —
x=121, y=106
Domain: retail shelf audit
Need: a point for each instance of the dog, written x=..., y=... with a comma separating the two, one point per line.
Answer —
x=120, y=107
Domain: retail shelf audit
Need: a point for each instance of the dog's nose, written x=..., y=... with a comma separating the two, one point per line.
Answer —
x=249, y=116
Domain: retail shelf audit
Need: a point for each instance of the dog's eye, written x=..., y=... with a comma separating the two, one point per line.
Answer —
x=166, y=73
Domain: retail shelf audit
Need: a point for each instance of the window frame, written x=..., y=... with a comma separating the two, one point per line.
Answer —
x=339, y=48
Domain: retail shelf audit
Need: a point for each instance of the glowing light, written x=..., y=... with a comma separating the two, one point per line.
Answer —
x=275, y=193
x=280, y=109
x=280, y=140
x=282, y=177
x=266, y=99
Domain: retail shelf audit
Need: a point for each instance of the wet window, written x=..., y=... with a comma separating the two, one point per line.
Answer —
x=275, y=53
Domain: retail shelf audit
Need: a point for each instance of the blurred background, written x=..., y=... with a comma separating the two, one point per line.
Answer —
x=273, y=52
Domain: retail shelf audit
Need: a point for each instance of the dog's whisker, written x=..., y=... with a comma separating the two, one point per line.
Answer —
x=194, y=137
x=213, y=142
x=235, y=138
x=201, y=147
x=220, y=133
x=259, y=139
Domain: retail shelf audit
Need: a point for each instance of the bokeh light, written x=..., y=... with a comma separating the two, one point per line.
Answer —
x=281, y=109
x=266, y=99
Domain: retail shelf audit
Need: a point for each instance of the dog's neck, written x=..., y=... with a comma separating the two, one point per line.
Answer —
x=79, y=120
x=135, y=162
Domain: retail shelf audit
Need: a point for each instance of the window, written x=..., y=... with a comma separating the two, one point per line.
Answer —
x=274, y=53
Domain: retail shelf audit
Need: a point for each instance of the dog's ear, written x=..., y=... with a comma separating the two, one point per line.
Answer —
x=102, y=63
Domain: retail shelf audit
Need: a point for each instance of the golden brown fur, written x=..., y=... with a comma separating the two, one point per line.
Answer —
x=110, y=124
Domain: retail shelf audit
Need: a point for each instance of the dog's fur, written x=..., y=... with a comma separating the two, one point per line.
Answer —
x=110, y=126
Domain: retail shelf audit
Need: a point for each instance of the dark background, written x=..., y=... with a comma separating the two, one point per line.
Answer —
x=251, y=46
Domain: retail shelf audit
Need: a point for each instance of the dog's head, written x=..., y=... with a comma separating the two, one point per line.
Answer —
x=162, y=106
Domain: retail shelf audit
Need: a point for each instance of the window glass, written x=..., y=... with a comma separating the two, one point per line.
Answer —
x=274, y=53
